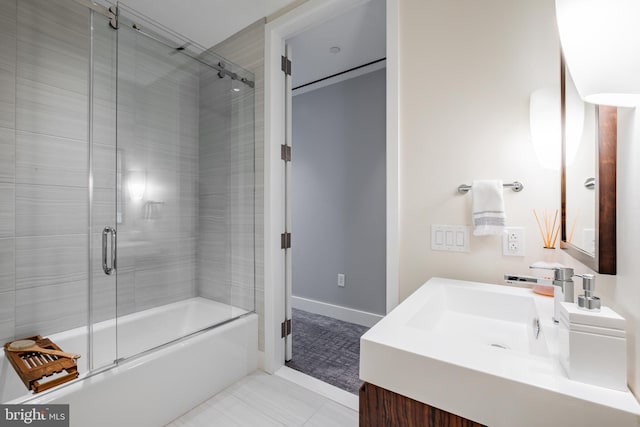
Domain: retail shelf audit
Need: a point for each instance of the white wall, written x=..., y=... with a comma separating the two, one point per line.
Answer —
x=466, y=71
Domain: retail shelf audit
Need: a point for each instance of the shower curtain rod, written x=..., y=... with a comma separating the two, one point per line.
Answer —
x=220, y=66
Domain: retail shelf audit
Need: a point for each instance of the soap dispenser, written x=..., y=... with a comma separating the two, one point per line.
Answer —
x=588, y=301
x=593, y=346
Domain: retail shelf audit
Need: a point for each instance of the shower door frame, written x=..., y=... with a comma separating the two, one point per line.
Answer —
x=108, y=266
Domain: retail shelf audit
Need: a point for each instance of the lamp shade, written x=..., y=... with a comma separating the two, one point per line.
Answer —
x=601, y=44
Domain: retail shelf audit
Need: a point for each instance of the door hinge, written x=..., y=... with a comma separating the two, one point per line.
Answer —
x=285, y=152
x=285, y=241
x=113, y=17
x=285, y=328
x=286, y=65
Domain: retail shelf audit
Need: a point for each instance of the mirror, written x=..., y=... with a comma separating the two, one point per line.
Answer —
x=588, y=179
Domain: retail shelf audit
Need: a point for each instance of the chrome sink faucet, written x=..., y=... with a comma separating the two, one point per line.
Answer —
x=562, y=280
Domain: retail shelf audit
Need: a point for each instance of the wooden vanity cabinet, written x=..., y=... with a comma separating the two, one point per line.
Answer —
x=380, y=407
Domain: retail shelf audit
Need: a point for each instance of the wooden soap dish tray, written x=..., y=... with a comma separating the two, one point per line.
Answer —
x=32, y=367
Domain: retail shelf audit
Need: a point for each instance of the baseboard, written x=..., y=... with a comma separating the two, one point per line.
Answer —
x=345, y=314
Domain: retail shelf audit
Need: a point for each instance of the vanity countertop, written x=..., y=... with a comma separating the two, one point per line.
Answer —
x=488, y=353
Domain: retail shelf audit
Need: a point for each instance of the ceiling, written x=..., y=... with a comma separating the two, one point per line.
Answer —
x=207, y=22
x=360, y=33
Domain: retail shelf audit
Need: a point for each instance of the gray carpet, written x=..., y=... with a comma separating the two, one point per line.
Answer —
x=327, y=349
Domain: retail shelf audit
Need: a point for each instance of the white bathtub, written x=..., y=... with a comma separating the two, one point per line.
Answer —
x=156, y=387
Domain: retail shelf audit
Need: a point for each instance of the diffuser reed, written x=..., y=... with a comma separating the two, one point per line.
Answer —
x=550, y=232
x=573, y=227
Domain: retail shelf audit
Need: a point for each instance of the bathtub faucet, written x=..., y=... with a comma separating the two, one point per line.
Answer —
x=562, y=280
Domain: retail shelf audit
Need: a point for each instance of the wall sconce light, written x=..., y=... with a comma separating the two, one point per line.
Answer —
x=545, y=124
x=137, y=184
x=600, y=41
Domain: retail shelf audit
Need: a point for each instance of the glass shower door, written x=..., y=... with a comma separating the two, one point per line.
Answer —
x=104, y=183
x=185, y=209
x=157, y=133
x=57, y=174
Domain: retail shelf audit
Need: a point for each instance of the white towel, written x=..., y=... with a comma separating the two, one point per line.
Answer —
x=488, y=208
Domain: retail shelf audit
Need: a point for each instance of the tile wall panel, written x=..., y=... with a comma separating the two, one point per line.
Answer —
x=165, y=129
x=50, y=220
x=49, y=110
x=246, y=49
x=214, y=238
x=49, y=160
x=8, y=41
x=7, y=154
x=52, y=308
x=7, y=209
x=42, y=261
x=7, y=265
x=45, y=210
x=7, y=316
x=158, y=138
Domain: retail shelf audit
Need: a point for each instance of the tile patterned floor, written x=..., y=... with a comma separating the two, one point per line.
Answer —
x=327, y=349
x=267, y=400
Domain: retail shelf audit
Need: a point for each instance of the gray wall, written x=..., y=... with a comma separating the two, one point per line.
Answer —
x=246, y=48
x=43, y=178
x=44, y=271
x=158, y=134
x=225, y=256
x=338, y=192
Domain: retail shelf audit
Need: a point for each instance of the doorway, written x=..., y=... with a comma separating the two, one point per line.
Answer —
x=337, y=191
x=278, y=31
x=338, y=198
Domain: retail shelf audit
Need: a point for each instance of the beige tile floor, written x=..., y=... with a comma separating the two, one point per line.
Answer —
x=267, y=400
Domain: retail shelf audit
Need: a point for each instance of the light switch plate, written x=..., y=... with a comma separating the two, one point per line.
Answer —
x=452, y=238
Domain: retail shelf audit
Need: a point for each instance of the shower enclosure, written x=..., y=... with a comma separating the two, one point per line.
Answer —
x=126, y=183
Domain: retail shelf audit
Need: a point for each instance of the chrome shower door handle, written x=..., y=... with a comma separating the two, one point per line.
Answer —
x=105, y=266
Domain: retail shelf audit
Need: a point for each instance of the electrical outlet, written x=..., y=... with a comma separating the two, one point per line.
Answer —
x=340, y=280
x=513, y=241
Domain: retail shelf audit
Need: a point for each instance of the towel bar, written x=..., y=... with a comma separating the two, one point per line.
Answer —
x=515, y=186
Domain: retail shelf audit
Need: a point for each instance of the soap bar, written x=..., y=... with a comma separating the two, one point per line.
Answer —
x=593, y=346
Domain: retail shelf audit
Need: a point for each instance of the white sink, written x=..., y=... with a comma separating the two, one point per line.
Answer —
x=480, y=317
x=475, y=350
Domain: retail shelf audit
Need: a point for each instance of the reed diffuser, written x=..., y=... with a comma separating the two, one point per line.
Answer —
x=550, y=231
x=573, y=228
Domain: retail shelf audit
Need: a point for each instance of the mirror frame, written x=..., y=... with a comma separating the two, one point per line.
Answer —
x=604, y=260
